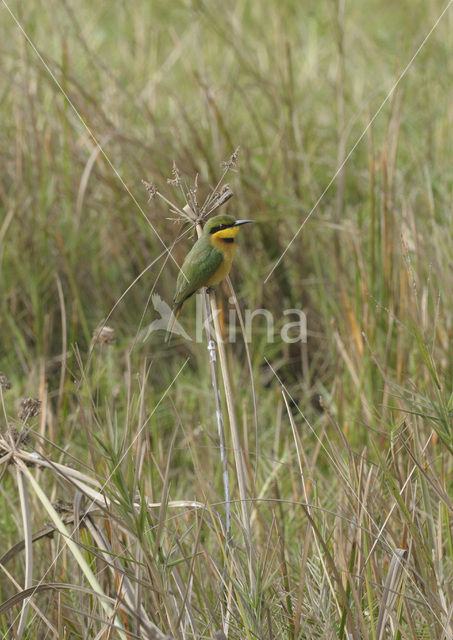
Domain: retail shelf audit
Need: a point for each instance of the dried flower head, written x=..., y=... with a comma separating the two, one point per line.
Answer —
x=232, y=162
x=151, y=190
x=29, y=408
x=103, y=335
x=217, y=199
x=4, y=382
x=176, y=180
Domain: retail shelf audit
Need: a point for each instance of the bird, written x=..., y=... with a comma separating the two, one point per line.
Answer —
x=208, y=262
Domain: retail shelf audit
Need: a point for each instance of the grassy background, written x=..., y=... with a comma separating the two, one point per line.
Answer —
x=365, y=434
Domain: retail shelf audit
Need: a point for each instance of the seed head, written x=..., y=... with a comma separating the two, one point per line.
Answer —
x=176, y=180
x=103, y=335
x=29, y=408
x=151, y=189
x=4, y=382
x=232, y=162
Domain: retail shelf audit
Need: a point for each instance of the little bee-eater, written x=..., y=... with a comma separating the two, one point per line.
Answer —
x=209, y=261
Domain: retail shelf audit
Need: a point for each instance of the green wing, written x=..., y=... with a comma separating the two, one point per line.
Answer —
x=200, y=264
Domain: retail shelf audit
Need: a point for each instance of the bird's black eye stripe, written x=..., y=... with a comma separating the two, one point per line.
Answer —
x=220, y=227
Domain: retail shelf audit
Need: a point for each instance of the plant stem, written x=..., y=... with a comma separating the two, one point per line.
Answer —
x=237, y=449
x=219, y=418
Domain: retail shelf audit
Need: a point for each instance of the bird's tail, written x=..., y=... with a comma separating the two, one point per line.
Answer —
x=173, y=318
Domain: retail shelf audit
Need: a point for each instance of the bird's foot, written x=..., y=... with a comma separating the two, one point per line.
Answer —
x=210, y=290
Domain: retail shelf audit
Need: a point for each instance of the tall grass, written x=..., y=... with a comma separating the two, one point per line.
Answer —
x=111, y=496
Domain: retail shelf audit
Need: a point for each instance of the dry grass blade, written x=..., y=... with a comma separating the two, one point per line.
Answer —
x=309, y=512
x=26, y=595
x=390, y=592
x=17, y=548
x=149, y=634
x=127, y=589
x=86, y=175
x=81, y=482
x=45, y=586
x=71, y=545
x=26, y=519
x=447, y=632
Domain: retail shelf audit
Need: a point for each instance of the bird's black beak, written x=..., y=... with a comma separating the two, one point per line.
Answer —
x=239, y=222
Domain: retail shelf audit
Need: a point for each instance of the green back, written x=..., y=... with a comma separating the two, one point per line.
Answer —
x=200, y=264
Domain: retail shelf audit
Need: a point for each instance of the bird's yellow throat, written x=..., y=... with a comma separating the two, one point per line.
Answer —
x=223, y=241
x=229, y=232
